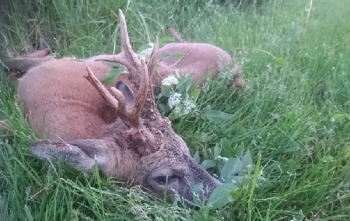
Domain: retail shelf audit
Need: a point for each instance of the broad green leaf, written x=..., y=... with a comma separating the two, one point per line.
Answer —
x=196, y=157
x=217, y=150
x=231, y=167
x=215, y=116
x=142, y=47
x=197, y=188
x=247, y=159
x=184, y=84
x=112, y=64
x=200, y=216
x=172, y=55
x=197, y=191
x=163, y=107
x=222, y=195
x=340, y=117
x=240, y=148
x=165, y=91
x=164, y=40
x=195, y=94
x=234, y=179
x=206, y=164
x=280, y=61
x=112, y=76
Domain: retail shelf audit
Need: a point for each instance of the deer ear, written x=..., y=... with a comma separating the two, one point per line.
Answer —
x=126, y=91
x=80, y=154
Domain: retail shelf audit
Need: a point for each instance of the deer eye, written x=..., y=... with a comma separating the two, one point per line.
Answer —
x=163, y=180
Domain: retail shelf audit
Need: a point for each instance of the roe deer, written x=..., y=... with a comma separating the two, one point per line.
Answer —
x=118, y=127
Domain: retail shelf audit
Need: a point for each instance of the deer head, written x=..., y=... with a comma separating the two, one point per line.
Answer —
x=140, y=144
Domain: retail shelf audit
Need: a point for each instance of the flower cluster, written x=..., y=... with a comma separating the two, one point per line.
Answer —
x=185, y=107
x=180, y=106
x=177, y=95
x=170, y=80
x=174, y=100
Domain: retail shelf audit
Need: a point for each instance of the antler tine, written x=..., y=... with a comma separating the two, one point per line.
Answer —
x=154, y=56
x=132, y=114
x=142, y=91
x=126, y=47
x=101, y=89
x=127, y=56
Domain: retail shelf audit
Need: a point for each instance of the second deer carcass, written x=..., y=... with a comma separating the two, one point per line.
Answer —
x=197, y=59
x=118, y=127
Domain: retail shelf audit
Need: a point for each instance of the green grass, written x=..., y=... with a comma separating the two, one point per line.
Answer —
x=292, y=111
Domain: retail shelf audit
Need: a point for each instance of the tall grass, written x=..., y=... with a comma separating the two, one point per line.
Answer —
x=294, y=110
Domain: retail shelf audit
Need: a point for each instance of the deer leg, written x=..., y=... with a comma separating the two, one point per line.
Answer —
x=176, y=35
x=39, y=53
x=18, y=66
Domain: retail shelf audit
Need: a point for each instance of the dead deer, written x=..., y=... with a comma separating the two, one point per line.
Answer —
x=119, y=127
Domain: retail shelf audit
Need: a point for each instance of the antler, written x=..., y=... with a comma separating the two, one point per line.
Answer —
x=129, y=112
x=127, y=56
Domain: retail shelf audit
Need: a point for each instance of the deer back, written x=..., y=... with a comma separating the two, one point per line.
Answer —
x=61, y=104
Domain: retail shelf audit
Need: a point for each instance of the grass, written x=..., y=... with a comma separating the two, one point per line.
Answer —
x=293, y=111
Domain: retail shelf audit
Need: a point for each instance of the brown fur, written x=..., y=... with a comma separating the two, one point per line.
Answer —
x=199, y=59
x=69, y=108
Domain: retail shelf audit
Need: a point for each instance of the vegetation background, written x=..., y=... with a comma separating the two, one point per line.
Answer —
x=294, y=110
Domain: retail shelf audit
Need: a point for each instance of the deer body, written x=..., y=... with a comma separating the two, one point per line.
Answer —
x=198, y=59
x=117, y=126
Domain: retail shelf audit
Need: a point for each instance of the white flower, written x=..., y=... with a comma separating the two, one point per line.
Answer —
x=174, y=99
x=223, y=158
x=178, y=110
x=184, y=108
x=188, y=106
x=170, y=80
x=146, y=53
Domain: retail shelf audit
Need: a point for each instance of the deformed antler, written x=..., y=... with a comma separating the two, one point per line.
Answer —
x=129, y=112
x=127, y=56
